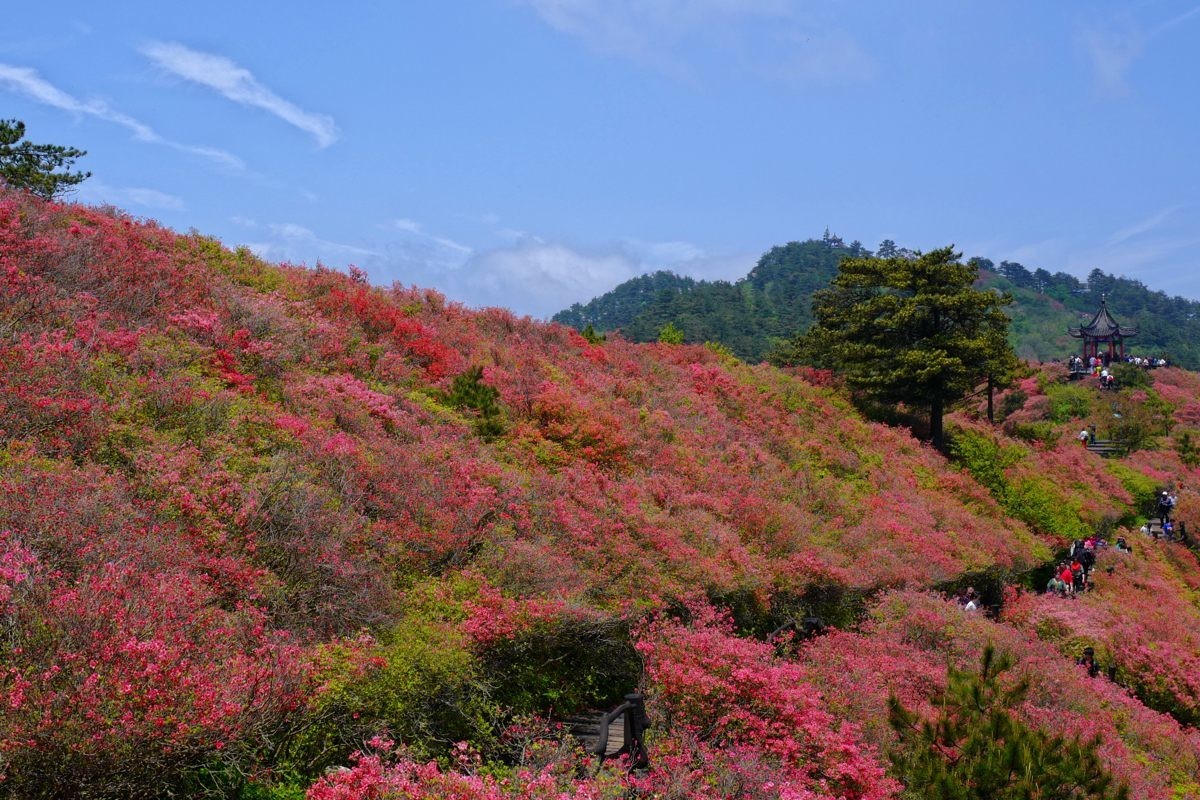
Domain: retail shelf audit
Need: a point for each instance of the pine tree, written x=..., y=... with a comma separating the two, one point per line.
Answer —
x=33, y=167
x=468, y=391
x=909, y=330
x=977, y=749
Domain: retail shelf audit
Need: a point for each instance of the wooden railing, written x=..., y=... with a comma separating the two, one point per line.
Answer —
x=620, y=732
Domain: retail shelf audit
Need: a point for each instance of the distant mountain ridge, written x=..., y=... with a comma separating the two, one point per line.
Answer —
x=773, y=302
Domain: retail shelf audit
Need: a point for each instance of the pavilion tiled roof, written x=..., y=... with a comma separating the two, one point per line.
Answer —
x=1102, y=326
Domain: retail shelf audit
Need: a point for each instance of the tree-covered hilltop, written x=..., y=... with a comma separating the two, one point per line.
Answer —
x=1045, y=304
x=774, y=302
x=748, y=316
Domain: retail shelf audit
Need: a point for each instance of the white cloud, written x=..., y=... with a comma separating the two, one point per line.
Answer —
x=791, y=40
x=1143, y=226
x=665, y=253
x=1114, y=48
x=1162, y=261
x=527, y=274
x=406, y=225
x=237, y=84
x=1112, y=54
x=296, y=243
x=96, y=192
x=26, y=81
x=539, y=279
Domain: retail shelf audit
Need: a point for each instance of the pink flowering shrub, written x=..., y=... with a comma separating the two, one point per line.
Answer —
x=1136, y=619
x=910, y=637
x=238, y=509
x=735, y=695
x=381, y=776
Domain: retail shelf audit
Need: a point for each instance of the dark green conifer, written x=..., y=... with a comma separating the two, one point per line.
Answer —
x=469, y=391
x=35, y=167
x=914, y=331
x=977, y=749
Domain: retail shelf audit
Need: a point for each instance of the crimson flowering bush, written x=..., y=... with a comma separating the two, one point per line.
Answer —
x=43, y=400
x=383, y=775
x=122, y=675
x=219, y=475
x=1137, y=619
x=735, y=695
x=908, y=639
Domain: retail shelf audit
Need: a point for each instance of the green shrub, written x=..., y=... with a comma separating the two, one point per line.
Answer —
x=563, y=667
x=1042, y=505
x=984, y=458
x=1035, y=501
x=1045, y=432
x=1143, y=488
x=1012, y=401
x=1069, y=402
x=421, y=684
x=468, y=391
x=1189, y=454
x=1130, y=377
x=592, y=337
x=669, y=334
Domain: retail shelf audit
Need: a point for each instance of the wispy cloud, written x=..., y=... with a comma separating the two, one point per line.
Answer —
x=26, y=81
x=1114, y=47
x=1144, y=226
x=1112, y=53
x=237, y=84
x=1176, y=20
x=96, y=191
x=801, y=41
x=405, y=225
x=293, y=242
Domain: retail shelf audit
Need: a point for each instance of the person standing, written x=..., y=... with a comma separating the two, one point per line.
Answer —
x=1088, y=660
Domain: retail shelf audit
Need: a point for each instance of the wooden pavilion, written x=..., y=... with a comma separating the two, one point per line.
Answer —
x=1103, y=336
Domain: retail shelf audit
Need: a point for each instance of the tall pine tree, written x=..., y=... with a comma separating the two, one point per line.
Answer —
x=909, y=330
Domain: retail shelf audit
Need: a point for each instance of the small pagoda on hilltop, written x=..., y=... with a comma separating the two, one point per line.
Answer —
x=1103, y=330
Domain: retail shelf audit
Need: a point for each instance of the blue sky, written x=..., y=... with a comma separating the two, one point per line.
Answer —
x=535, y=153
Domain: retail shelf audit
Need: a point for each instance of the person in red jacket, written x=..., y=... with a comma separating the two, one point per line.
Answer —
x=1066, y=576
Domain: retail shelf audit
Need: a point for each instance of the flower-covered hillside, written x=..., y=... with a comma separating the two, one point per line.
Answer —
x=253, y=516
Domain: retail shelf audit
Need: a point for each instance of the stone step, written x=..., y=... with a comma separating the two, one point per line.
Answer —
x=1104, y=447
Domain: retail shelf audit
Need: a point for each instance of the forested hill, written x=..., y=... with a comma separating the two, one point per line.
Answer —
x=1046, y=304
x=774, y=302
x=747, y=316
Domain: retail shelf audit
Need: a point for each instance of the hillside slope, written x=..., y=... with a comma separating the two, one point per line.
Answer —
x=255, y=516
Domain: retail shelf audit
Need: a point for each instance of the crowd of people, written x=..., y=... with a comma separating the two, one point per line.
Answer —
x=1099, y=366
x=1147, y=362
x=1073, y=575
